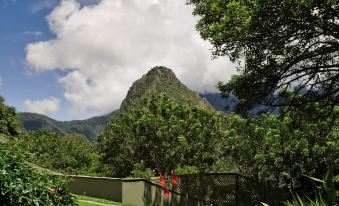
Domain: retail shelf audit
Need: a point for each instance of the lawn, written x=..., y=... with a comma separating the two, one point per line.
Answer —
x=92, y=201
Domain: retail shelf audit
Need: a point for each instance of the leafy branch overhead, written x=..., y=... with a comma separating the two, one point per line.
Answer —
x=280, y=46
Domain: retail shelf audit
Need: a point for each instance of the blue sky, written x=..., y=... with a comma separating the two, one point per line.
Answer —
x=73, y=59
x=21, y=22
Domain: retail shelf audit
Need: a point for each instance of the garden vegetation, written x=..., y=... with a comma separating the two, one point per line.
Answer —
x=21, y=184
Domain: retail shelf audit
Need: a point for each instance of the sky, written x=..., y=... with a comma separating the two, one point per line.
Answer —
x=74, y=59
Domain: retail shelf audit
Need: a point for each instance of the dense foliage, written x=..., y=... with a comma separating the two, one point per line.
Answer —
x=19, y=183
x=22, y=185
x=166, y=135
x=72, y=154
x=163, y=136
x=280, y=149
x=9, y=125
x=327, y=192
x=279, y=44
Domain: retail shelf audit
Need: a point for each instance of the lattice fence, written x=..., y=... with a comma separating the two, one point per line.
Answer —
x=224, y=189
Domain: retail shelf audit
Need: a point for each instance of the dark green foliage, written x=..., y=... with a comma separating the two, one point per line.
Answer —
x=90, y=127
x=22, y=185
x=72, y=154
x=9, y=126
x=161, y=80
x=327, y=193
x=280, y=44
x=163, y=135
x=281, y=149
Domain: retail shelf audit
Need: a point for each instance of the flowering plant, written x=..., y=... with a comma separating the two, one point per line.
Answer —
x=174, y=180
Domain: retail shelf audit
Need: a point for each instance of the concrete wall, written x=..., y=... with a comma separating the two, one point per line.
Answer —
x=135, y=191
x=108, y=188
x=146, y=193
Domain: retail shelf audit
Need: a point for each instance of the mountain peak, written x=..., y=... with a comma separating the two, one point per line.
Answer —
x=160, y=73
x=161, y=79
x=160, y=70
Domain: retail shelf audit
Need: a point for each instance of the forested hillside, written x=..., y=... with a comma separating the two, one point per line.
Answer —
x=89, y=127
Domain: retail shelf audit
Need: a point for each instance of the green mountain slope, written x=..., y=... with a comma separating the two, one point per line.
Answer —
x=89, y=127
x=157, y=80
x=161, y=80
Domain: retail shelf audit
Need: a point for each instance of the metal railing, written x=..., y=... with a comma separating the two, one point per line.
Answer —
x=224, y=189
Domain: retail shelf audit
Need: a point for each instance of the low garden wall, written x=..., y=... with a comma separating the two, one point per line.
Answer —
x=133, y=191
x=108, y=188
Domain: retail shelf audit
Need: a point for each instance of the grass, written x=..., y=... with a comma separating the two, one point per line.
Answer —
x=96, y=200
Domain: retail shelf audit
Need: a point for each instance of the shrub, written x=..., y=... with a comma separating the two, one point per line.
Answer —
x=22, y=185
x=70, y=154
x=140, y=171
x=186, y=170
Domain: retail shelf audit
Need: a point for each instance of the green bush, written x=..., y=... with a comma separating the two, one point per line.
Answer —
x=140, y=171
x=22, y=185
x=186, y=170
x=70, y=154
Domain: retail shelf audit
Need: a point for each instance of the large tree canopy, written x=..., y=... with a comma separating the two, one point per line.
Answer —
x=279, y=149
x=162, y=137
x=280, y=45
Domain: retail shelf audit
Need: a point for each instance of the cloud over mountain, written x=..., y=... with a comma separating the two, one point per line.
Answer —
x=106, y=46
x=45, y=106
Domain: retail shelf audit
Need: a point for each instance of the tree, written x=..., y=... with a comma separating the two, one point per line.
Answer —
x=282, y=148
x=280, y=46
x=162, y=137
x=9, y=124
x=72, y=153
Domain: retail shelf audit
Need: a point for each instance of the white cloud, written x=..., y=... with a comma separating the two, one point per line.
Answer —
x=45, y=106
x=106, y=46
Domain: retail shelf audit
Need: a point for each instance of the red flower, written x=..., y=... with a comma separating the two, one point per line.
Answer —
x=162, y=181
x=175, y=179
x=166, y=193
